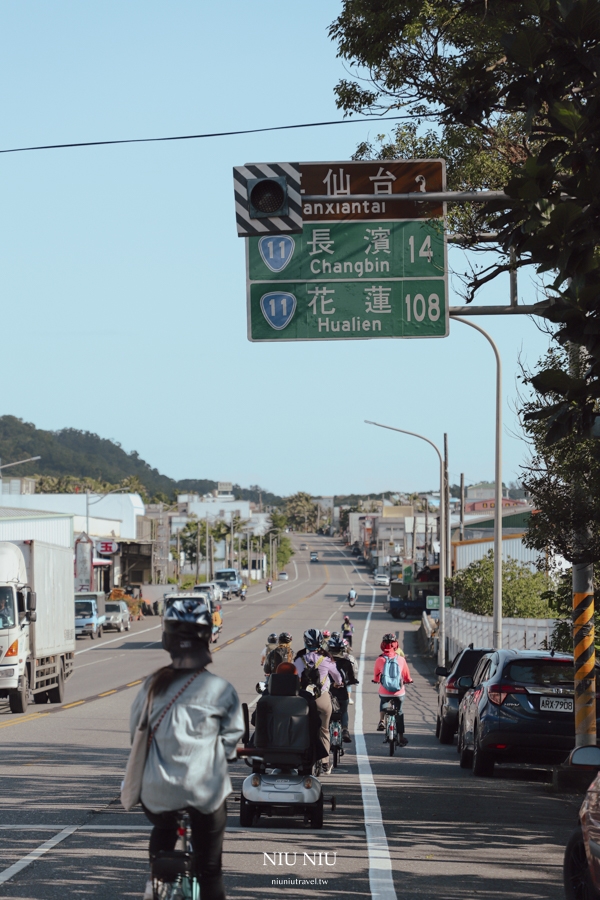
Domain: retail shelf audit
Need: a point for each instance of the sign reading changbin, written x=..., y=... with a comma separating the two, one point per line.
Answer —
x=359, y=269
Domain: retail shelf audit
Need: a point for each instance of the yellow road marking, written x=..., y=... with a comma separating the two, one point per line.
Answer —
x=106, y=693
x=69, y=705
x=24, y=719
x=243, y=634
x=133, y=683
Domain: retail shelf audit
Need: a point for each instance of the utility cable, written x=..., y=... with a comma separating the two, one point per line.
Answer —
x=195, y=137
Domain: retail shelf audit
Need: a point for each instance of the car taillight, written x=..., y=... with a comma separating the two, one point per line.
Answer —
x=13, y=650
x=498, y=693
x=451, y=686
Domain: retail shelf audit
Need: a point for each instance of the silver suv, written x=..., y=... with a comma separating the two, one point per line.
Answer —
x=117, y=615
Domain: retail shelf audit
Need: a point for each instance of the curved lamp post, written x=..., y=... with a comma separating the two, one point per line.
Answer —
x=443, y=539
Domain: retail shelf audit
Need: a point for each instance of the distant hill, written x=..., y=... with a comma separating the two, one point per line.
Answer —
x=86, y=455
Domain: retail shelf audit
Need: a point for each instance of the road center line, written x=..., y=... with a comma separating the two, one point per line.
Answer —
x=13, y=870
x=381, y=881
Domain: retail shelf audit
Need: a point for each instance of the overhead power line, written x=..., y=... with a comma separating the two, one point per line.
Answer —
x=196, y=137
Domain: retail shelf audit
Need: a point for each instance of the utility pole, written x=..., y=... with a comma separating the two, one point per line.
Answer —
x=462, y=506
x=447, y=511
x=178, y=558
x=207, y=548
x=426, y=532
x=584, y=650
x=197, y=552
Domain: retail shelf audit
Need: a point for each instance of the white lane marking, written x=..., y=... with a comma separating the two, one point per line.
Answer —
x=124, y=637
x=282, y=590
x=13, y=870
x=96, y=661
x=381, y=879
x=231, y=828
x=334, y=613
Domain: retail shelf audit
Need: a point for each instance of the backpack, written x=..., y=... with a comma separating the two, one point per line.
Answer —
x=276, y=656
x=311, y=677
x=391, y=679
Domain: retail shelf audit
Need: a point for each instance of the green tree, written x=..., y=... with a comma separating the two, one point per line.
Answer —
x=560, y=600
x=524, y=77
x=524, y=593
x=562, y=477
x=301, y=512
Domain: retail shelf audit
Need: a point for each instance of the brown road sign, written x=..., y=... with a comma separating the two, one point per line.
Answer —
x=336, y=181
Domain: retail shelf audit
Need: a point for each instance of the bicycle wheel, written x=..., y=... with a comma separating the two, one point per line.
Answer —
x=336, y=753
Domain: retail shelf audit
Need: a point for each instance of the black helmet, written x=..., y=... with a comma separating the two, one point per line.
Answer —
x=186, y=625
x=312, y=639
x=336, y=642
x=272, y=639
x=285, y=637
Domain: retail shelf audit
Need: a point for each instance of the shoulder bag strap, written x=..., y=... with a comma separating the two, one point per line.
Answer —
x=171, y=702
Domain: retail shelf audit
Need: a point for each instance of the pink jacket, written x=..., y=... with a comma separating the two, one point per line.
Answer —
x=404, y=672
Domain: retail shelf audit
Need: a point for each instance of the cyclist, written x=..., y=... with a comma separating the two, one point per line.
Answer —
x=391, y=680
x=281, y=653
x=348, y=630
x=317, y=670
x=196, y=722
x=338, y=649
x=271, y=644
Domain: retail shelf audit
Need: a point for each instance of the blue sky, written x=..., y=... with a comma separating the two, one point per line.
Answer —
x=123, y=279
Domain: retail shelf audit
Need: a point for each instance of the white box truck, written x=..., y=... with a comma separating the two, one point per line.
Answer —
x=37, y=622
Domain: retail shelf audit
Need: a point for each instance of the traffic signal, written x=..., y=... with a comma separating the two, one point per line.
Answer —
x=267, y=199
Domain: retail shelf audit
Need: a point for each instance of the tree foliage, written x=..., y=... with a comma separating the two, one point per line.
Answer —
x=301, y=512
x=563, y=476
x=482, y=66
x=523, y=591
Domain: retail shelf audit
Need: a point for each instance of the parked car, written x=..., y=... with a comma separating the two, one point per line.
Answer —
x=225, y=589
x=581, y=866
x=382, y=580
x=450, y=695
x=117, y=615
x=283, y=576
x=304, y=546
x=314, y=556
x=518, y=707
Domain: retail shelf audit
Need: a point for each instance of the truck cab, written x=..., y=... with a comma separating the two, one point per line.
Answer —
x=90, y=614
x=232, y=577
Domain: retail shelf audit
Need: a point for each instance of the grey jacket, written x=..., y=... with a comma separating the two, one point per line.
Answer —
x=187, y=759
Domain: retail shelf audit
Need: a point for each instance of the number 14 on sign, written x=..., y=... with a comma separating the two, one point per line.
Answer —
x=425, y=250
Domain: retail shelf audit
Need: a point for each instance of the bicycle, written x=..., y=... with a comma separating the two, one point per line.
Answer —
x=335, y=740
x=172, y=872
x=393, y=735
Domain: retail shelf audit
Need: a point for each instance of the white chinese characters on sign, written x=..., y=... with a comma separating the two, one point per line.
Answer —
x=382, y=182
x=378, y=299
x=322, y=241
x=379, y=239
x=320, y=295
x=337, y=185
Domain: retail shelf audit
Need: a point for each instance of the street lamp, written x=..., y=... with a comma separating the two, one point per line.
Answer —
x=443, y=539
x=89, y=503
x=497, y=609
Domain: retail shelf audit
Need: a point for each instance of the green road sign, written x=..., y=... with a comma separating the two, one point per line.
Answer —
x=348, y=280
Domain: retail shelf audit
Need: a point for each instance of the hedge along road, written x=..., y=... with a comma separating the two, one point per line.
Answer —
x=443, y=833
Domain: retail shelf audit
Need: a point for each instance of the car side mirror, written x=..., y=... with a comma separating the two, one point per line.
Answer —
x=32, y=601
x=585, y=756
x=464, y=682
x=442, y=671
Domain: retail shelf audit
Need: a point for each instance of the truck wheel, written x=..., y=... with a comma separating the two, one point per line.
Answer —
x=57, y=693
x=92, y=634
x=402, y=614
x=100, y=632
x=19, y=700
x=395, y=614
x=40, y=698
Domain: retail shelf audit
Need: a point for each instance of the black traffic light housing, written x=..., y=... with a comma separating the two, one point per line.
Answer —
x=267, y=197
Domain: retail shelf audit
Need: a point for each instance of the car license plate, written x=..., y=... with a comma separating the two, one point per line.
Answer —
x=556, y=704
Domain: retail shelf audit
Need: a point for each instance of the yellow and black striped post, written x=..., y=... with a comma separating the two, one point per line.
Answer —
x=584, y=652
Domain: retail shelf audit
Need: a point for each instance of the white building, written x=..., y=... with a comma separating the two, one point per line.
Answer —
x=122, y=510
x=36, y=525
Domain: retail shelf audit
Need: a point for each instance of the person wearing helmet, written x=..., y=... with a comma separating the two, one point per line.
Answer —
x=339, y=651
x=317, y=671
x=391, y=679
x=271, y=644
x=195, y=722
x=281, y=653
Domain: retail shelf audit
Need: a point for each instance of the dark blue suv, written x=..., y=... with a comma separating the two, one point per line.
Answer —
x=519, y=707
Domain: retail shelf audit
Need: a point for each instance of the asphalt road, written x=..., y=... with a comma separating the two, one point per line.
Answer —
x=411, y=826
